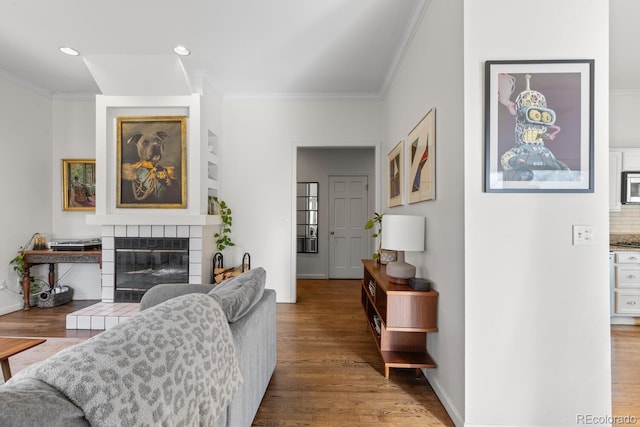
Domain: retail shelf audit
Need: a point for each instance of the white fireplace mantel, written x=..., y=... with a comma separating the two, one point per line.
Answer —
x=153, y=219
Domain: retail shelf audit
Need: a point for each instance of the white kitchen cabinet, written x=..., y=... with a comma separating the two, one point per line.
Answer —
x=626, y=287
x=630, y=159
x=628, y=303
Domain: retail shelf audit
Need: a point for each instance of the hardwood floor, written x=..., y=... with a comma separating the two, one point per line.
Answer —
x=625, y=372
x=44, y=322
x=329, y=372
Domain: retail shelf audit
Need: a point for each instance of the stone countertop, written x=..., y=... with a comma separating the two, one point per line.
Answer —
x=623, y=238
x=614, y=239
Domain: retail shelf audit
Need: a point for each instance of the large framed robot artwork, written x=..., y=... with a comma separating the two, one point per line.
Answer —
x=539, y=126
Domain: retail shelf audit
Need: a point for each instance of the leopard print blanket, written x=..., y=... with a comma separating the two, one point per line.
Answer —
x=172, y=365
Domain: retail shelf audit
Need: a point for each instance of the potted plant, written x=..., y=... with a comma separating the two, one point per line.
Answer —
x=375, y=222
x=36, y=286
x=222, y=235
x=19, y=264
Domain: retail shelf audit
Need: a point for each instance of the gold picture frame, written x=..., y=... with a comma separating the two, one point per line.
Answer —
x=395, y=175
x=421, y=183
x=151, y=162
x=78, y=184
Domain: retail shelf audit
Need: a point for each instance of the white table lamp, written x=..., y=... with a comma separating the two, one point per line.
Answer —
x=402, y=233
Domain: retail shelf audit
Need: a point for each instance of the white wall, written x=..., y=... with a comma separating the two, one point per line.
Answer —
x=537, y=308
x=430, y=76
x=257, y=171
x=25, y=120
x=74, y=137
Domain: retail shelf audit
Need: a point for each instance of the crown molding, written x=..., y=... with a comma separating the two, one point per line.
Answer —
x=285, y=96
x=67, y=96
x=37, y=89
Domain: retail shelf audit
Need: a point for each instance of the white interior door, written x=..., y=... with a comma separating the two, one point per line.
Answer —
x=347, y=217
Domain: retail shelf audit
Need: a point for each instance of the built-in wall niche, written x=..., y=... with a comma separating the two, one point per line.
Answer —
x=307, y=217
x=213, y=161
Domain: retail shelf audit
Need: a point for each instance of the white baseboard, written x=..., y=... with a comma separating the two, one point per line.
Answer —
x=312, y=276
x=10, y=308
x=625, y=320
x=452, y=410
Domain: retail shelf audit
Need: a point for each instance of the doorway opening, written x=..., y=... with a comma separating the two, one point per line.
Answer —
x=354, y=168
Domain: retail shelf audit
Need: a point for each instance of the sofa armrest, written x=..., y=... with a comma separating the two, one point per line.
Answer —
x=164, y=292
x=254, y=336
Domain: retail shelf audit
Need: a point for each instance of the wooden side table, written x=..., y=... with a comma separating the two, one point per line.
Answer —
x=52, y=258
x=399, y=319
x=12, y=346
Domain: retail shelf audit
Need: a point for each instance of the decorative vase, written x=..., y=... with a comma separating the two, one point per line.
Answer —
x=387, y=256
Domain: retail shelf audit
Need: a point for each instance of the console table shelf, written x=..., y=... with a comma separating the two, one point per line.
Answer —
x=399, y=319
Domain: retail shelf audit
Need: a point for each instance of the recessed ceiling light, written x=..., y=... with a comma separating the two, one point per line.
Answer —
x=181, y=50
x=69, y=51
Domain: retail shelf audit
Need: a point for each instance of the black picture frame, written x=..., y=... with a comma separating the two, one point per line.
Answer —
x=539, y=126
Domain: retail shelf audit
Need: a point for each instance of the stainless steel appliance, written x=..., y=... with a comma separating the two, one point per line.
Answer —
x=630, y=187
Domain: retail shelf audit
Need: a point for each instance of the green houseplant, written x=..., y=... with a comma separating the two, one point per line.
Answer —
x=19, y=264
x=222, y=236
x=36, y=286
x=375, y=222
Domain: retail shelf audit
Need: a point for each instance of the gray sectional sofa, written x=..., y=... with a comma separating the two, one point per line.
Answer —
x=169, y=365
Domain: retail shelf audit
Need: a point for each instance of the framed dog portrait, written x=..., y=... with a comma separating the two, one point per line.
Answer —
x=78, y=184
x=151, y=162
x=539, y=126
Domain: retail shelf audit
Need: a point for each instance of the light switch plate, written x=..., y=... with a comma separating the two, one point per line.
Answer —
x=582, y=235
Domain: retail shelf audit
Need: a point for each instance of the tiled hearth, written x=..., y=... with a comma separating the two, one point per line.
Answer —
x=108, y=313
x=102, y=316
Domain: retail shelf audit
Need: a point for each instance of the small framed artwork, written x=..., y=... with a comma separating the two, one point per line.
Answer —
x=151, y=162
x=539, y=126
x=395, y=169
x=422, y=159
x=78, y=184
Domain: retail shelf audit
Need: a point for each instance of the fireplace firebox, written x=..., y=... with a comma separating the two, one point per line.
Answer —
x=141, y=263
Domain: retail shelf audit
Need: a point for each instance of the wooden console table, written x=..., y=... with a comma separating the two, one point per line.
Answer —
x=399, y=319
x=52, y=258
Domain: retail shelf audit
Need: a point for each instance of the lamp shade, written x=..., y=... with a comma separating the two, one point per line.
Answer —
x=403, y=232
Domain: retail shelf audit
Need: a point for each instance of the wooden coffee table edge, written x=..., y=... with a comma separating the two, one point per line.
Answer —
x=22, y=345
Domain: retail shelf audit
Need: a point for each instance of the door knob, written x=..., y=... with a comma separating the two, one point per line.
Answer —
x=332, y=233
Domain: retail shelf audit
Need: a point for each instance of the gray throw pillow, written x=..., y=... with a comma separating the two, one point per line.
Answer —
x=239, y=294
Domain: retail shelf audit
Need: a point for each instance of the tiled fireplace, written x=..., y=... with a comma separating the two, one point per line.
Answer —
x=197, y=266
x=110, y=312
x=144, y=262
